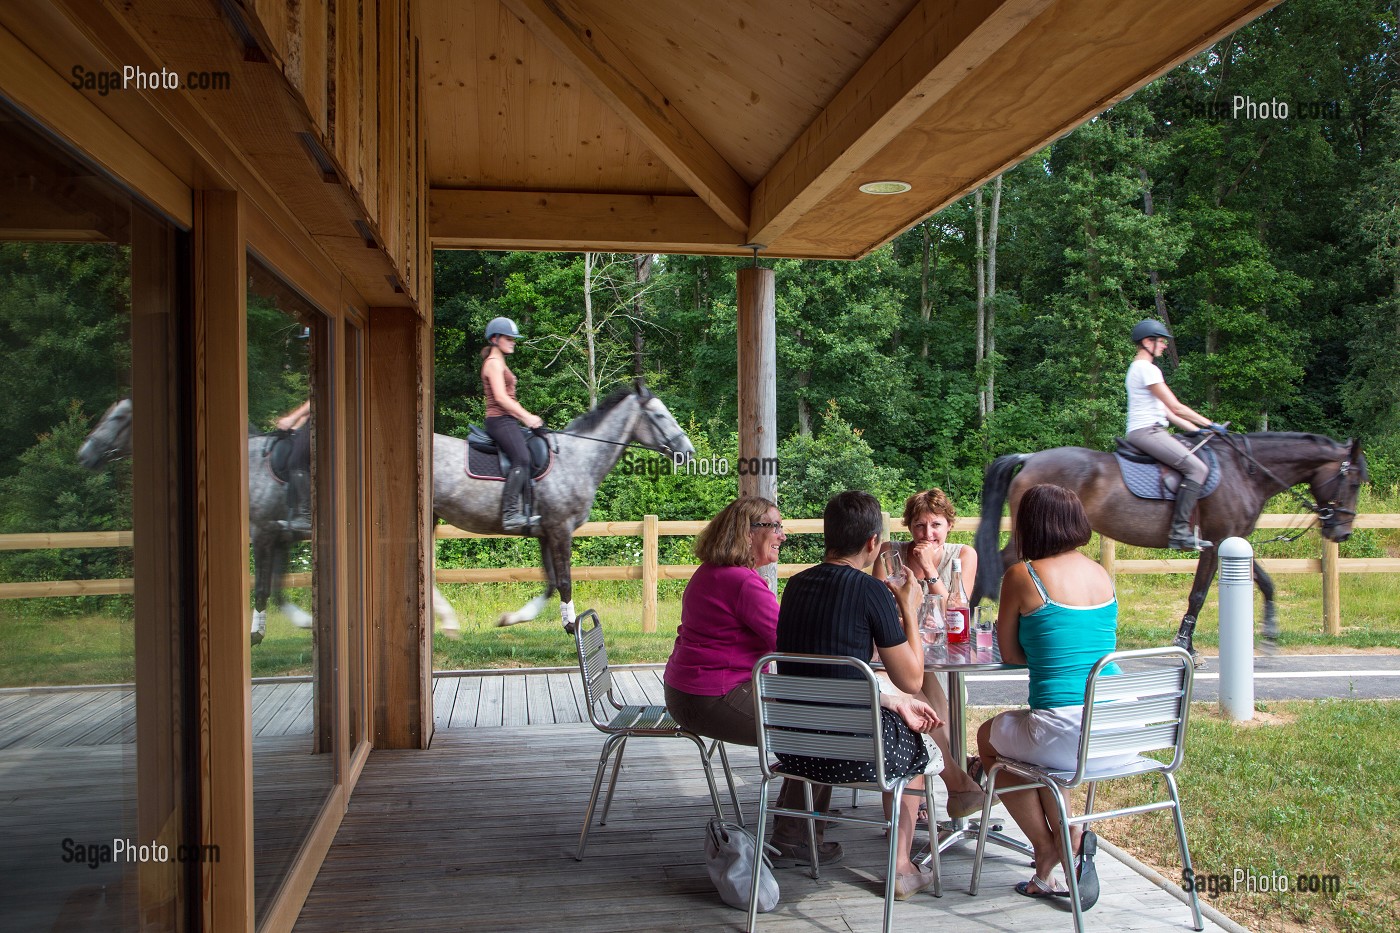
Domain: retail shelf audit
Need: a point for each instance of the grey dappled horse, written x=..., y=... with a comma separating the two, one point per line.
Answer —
x=1254, y=468
x=267, y=506
x=587, y=448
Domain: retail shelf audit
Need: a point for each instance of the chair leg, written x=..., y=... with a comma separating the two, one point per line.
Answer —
x=891, y=871
x=935, y=860
x=1089, y=798
x=981, y=830
x=1070, y=879
x=811, y=831
x=1186, y=871
x=758, y=852
x=612, y=784
x=729, y=779
x=709, y=774
x=608, y=745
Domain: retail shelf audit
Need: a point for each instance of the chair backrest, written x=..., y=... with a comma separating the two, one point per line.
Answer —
x=593, y=665
x=1144, y=708
x=816, y=716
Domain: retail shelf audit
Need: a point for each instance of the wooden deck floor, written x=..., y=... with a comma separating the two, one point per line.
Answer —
x=478, y=833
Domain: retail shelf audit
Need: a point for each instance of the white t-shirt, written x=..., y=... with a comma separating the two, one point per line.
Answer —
x=1144, y=408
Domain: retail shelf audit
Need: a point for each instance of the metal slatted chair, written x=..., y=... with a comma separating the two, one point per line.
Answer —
x=624, y=721
x=828, y=717
x=1143, y=709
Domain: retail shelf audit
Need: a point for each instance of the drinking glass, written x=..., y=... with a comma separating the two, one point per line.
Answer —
x=894, y=567
x=932, y=627
x=983, y=627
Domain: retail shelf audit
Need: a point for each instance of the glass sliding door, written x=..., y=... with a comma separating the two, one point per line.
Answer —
x=96, y=669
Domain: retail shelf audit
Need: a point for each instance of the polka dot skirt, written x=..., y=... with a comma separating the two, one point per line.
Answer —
x=905, y=753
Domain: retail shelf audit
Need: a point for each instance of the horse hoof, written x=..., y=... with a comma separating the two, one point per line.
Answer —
x=1268, y=646
x=453, y=633
x=256, y=638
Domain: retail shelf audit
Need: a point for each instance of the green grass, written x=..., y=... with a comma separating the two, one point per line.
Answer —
x=1311, y=791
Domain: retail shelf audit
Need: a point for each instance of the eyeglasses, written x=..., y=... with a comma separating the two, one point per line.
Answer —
x=776, y=526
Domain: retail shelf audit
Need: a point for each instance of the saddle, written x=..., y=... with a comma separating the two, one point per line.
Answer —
x=487, y=461
x=1147, y=478
x=277, y=451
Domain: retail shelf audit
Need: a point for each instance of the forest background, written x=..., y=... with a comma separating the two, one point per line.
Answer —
x=1269, y=244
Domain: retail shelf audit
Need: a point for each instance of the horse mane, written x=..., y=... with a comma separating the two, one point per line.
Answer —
x=1296, y=437
x=591, y=419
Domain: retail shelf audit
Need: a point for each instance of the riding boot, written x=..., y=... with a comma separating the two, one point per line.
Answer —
x=298, y=521
x=1184, y=640
x=1182, y=536
x=513, y=521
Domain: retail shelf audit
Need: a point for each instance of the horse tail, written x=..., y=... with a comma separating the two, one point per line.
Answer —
x=988, y=539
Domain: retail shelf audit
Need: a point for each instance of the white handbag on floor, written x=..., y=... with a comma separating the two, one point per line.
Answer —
x=729, y=854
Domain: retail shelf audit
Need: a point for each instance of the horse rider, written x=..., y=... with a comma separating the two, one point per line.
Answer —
x=1150, y=406
x=504, y=418
x=298, y=423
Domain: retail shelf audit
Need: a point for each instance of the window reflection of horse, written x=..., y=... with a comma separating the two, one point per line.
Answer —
x=267, y=507
x=585, y=451
x=1254, y=468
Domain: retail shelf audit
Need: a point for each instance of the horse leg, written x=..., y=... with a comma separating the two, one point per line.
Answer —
x=446, y=616
x=535, y=606
x=1266, y=587
x=563, y=579
x=278, y=566
x=1205, y=572
x=262, y=562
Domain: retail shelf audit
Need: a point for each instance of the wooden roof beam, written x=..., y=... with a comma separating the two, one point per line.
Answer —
x=548, y=220
x=562, y=28
x=925, y=58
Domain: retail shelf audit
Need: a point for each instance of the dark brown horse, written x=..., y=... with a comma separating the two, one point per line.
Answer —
x=1254, y=468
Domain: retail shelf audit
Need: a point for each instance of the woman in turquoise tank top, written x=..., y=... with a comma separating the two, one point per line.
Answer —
x=1058, y=615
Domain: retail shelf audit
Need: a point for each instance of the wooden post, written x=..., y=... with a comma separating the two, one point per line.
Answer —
x=224, y=614
x=1331, y=589
x=758, y=391
x=400, y=528
x=651, y=570
x=1108, y=555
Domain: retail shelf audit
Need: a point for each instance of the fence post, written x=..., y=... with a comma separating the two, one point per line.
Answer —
x=651, y=554
x=1108, y=554
x=1331, y=589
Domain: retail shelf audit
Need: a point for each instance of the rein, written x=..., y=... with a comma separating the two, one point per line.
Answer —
x=665, y=448
x=1324, y=513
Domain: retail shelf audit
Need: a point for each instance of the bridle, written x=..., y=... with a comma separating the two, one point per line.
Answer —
x=669, y=444
x=1328, y=511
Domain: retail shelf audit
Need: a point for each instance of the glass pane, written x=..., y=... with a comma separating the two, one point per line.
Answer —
x=93, y=533
x=354, y=529
x=289, y=487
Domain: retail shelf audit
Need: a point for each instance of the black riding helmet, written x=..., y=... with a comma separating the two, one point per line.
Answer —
x=1149, y=328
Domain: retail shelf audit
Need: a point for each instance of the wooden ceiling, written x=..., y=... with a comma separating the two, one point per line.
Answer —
x=697, y=127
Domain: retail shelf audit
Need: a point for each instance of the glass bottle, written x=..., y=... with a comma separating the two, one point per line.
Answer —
x=955, y=610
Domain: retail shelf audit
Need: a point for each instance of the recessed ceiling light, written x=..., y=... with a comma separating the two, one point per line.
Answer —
x=885, y=187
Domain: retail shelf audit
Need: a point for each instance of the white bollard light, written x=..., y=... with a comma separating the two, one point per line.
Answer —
x=1237, y=629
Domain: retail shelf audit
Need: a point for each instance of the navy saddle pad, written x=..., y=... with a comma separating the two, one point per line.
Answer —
x=277, y=451
x=486, y=461
x=1148, y=479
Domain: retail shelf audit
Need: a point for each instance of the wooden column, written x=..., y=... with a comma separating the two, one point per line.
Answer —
x=758, y=388
x=651, y=571
x=1108, y=555
x=221, y=478
x=400, y=527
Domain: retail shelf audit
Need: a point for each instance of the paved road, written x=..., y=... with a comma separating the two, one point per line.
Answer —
x=1282, y=677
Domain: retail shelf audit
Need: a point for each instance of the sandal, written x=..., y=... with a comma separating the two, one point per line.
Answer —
x=1085, y=872
x=975, y=770
x=921, y=822
x=1036, y=888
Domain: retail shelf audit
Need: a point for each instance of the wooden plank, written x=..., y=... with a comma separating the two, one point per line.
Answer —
x=490, y=708
x=540, y=709
x=563, y=699
x=464, y=710
x=565, y=29
x=444, y=696
x=66, y=588
x=559, y=220
x=514, y=708
x=925, y=58
x=68, y=539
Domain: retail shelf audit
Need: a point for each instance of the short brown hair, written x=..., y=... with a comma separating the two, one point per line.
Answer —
x=725, y=540
x=1050, y=520
x=850, y=519
x=933, y=501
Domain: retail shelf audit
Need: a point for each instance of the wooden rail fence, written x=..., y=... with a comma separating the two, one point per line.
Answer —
x=651, y=571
